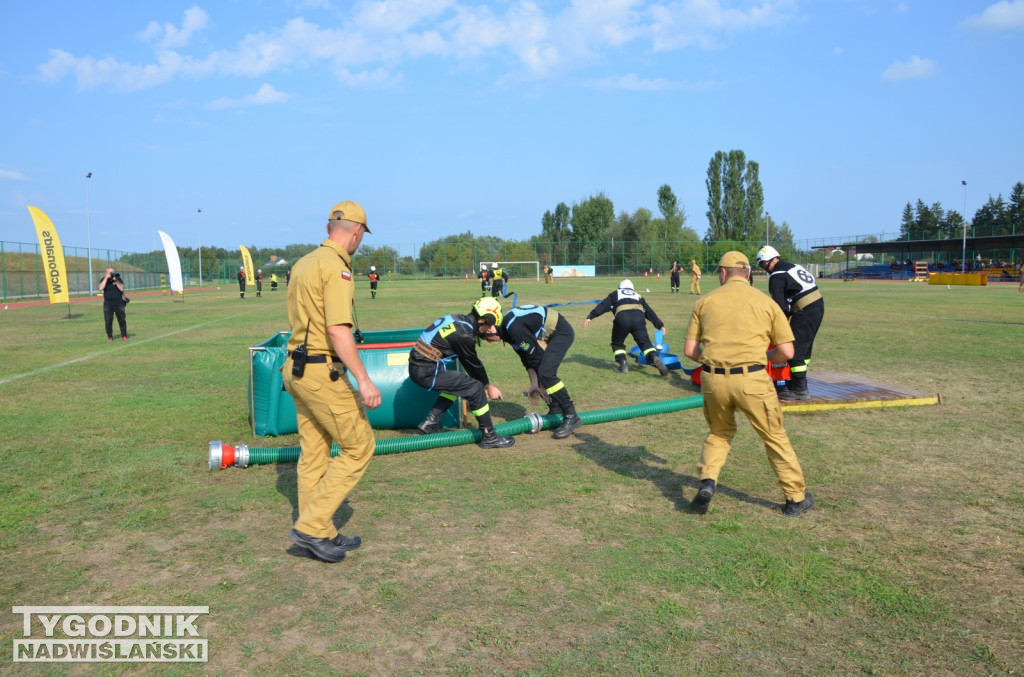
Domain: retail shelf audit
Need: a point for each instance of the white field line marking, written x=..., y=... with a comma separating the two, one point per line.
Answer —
x=84, y=358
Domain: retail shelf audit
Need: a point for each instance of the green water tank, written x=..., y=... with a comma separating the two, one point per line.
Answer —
x=385, y=354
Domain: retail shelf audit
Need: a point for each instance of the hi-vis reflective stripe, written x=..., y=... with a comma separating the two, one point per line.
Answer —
x=482, y=410
x=555, y=388
x=449, y=396
x=650, y=350
x=618, y=352
x=798, y=370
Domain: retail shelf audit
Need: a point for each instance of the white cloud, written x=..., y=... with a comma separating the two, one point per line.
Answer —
x=377, y=37
x=702, y=22
x=633, y=83
x=264, y=96
x=11, y=175
x=914, y=67
x=168, y=35
x=1007, y=15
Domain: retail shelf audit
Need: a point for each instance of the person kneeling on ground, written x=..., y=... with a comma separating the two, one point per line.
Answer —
x=432, y=366
x=631, y=313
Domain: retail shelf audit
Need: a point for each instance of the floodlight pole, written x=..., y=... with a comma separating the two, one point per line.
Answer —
x=963, y=255
x=88, y=229
x=200, y=224
x=767, y=227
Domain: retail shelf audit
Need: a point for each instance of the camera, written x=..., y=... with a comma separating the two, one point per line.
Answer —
x=299, y=361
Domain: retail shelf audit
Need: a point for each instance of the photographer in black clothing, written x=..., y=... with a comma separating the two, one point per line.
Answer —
x=112, y=287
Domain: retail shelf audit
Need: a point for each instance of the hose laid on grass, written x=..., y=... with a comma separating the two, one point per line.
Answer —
x=223, y=455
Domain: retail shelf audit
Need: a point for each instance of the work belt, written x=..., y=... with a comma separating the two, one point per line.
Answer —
x=321, y=359
x=733, y=370
x=628, y=306
x=805, y=301
x=427, y=351
x=550, y=323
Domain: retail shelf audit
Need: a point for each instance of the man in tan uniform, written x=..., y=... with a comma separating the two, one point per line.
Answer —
x=729, y=333
x=694, y=277
x=321, y=348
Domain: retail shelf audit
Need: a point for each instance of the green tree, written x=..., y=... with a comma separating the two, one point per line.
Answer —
x=1015, y=211
x=591, y=219
x=993, y=218
x=907, y=223
x=735, y=196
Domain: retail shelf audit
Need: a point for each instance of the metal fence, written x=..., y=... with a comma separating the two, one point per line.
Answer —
x=22, y=272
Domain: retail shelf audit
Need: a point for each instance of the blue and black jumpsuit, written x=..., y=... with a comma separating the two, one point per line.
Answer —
x=432, y=366
x=522, y=328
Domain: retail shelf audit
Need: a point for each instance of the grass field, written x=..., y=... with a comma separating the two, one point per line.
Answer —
x=553, y=557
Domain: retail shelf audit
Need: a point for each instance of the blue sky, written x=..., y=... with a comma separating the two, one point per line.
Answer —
x=442, y=116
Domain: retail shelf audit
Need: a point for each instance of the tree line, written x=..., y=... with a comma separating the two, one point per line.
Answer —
x=996, y=217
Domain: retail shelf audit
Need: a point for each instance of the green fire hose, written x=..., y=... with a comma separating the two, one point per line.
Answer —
x=242, y=456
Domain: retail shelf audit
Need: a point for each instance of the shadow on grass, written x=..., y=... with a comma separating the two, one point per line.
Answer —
x=677, y=377
x=287, y=487
x=635, y=462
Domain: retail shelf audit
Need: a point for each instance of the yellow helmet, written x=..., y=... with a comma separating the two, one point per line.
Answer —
x=488, y=309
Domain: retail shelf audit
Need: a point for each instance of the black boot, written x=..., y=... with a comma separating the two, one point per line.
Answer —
x=570, y=421
x=623, y=368
x=492, y=440
x=554, y=408
x=430, y=423
x=662, y=369
x=700, y=502
x=796, y=389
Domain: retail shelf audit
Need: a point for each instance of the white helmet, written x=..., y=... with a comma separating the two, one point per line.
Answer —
x=767, y=253
x=625, y=284
x=373, y=269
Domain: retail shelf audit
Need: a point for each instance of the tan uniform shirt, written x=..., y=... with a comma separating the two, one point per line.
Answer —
x=322, y=295
x=735, y=323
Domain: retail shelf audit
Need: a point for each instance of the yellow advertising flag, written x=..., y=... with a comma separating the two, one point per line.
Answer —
x=250, y=279
x=53, y=257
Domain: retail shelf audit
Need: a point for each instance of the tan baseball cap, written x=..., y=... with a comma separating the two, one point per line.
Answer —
x=349, y=211
x=734, y=260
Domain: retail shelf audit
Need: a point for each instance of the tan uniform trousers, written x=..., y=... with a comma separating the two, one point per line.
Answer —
x=694, y=285
x=754, y=395
x=327, y=411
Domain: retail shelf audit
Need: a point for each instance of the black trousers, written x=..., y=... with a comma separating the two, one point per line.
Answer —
x=805, y=324
x=109, y=310
x=559, y=342
x=497, y=286
x=433, y=376
x=674, y=281
x=630, y=322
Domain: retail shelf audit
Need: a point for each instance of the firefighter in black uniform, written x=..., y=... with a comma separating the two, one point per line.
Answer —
x=485, y=280
x=499, y=278
x=432, y=366
x=374, y=278
x=241, y=282
x=674, y=276
x=524, y=328
x=259, y=282
x=796, y=292
x=631, y=315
